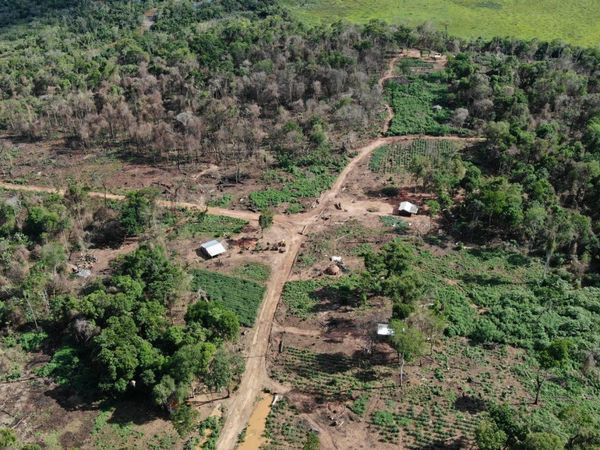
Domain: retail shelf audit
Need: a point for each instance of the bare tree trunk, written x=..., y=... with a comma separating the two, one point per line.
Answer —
x=402, y=371
x=539, y=383
x=31, y=311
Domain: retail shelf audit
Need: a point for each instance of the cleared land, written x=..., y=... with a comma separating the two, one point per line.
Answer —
x=575, y=21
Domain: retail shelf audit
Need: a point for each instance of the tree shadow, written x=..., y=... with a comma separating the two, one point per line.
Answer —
x=453, y=444
x=21, y=13
x=384, y=192
x=340, y=324
x=330, y=298
x=138, y=410
x=332, y=363
x=367, y=375
x=470, y=404
x=518, y=260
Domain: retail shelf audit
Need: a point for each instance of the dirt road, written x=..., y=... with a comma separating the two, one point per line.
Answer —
x=245, y=215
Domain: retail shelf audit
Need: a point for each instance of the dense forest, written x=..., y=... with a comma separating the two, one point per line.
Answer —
x=186, y=92
x=536, y=179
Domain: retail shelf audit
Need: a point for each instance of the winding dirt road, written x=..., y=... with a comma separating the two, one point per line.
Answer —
x=292, y=230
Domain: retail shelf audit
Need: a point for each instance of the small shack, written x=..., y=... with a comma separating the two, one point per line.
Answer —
x=213, y=248
x=408, y=209
x=384, y=330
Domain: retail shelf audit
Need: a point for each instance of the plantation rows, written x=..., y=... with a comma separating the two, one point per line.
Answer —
x=417, y=108
x=423, y=420
x=241, y=296
x=398, y=157
x=332, y=376
x=284, y=429
x=414, y=66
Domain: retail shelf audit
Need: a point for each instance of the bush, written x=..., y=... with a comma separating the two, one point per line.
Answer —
x=32, y=341
x=543, y=441
x=137, y=211
x=8, y=220
x=7, y=438
x=184, y=419
x=489, y=437
x=43, y=222
x=486, y=332
x=312, y=442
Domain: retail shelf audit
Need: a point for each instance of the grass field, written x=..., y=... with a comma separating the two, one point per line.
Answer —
x=574, y=21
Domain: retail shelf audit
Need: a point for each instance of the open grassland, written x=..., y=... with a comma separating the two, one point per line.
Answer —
x=574, y=21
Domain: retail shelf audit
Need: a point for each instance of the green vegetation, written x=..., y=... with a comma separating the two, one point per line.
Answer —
x=397, y=158
x=332, y=376
x=302, y=184
x=346, y=239
x=253, y=271
x=137, y=212
x=193, y=224
x=284, y=428
x=360, y=405
x=399, y=225
x=418, y=108
x=574, y=21
x=299, y=296
x=220, y=202
x=239, y=295
x=209, y=431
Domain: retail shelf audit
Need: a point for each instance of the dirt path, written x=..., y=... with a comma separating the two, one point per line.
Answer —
x=389, y=73
x=245, y=215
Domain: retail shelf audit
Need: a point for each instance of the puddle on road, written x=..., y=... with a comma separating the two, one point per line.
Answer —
x=256, y=425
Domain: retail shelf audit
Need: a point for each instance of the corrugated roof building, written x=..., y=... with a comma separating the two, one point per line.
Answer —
x=408, y=208
x=212, y=248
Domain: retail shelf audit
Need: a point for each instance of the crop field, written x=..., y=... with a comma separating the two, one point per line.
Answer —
x=574, y=21
x=418, y=109
x=241, y=296
x=395, y=158
x=284, y=428
x=429, y=413
x=299, y=296
x=332, y=376
x=193, y=224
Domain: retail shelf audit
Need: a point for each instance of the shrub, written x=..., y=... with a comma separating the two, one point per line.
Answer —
x=32, y=341
x=43, y=222
x=137, y=211
x=8, y=220
x=7, y=438
x=489, y=437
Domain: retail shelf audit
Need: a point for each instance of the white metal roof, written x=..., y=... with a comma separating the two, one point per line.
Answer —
x=408, y=207
x=213, y=248
x=383, y=329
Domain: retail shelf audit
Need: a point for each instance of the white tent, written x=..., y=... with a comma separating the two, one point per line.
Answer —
x=408, y=208
x=213, y=248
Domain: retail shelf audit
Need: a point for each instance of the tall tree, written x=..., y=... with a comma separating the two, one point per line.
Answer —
x=408, y=342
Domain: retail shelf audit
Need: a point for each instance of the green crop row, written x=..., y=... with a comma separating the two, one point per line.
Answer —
x=241, y=296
